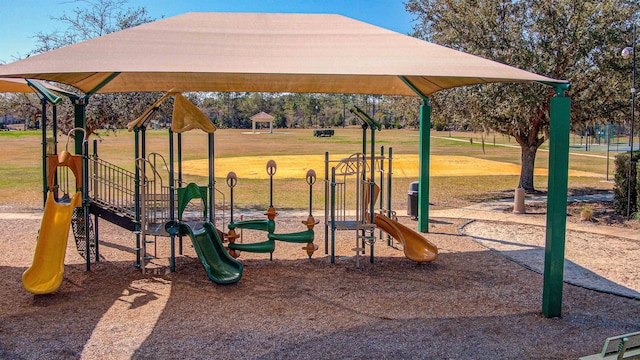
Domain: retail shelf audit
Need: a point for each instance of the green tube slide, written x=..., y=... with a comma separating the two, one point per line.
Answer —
x=301, y=237
x=219, y=265
x=260, y=224
x=266, y=246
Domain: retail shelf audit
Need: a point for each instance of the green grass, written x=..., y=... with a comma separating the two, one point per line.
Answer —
x=20, y=134
x=21, y=162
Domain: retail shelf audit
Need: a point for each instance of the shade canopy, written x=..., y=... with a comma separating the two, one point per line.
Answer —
x=186, y=116
x=9, y=85
x=258, y=52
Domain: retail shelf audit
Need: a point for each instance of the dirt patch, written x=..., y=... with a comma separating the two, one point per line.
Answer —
x=599, y=213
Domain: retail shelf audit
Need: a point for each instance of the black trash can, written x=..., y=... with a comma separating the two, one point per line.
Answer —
x=412, y=200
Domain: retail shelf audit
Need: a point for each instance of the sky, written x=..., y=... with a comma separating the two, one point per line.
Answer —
x=20, y=20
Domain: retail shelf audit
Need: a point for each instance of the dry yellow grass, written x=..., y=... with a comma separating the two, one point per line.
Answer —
x=404, y=165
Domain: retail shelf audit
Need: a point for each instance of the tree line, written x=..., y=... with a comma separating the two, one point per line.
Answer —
x=579, y=41
x=226, y=110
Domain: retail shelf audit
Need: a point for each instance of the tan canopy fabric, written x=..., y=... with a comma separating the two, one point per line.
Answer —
x=8, y=85
x=186, y=116
x=260, y=52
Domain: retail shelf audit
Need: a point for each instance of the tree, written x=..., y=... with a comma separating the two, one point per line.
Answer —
x=94, y=18
x=563, y=39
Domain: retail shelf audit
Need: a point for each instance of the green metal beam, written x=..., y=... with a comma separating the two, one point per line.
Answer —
x=560, y=113
x=413, y=88
x=46, y=93
x=559, y=87
x=367, y=120
x=80, y=108
x=102, y=84
x=423, y=180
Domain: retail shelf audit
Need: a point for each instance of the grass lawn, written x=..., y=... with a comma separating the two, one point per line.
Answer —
x=21, y=164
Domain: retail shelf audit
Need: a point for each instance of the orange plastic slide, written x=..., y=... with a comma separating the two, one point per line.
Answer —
x=416, y=247
x=47, y=269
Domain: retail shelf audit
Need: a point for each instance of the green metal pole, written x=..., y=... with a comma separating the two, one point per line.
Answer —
x=382, y=186
x=382, y=173
x=179, y=160
x=372, y=181
x=560, y=112
x=54, y=128
x=372, y=174
x=80, y=121
x=326, y=202
x=180, y=183
x=43, y=125
x=333, y=215
x=389, y=175
x=364, y=139
x=172, y=260
x=425, y=149
x=136, y=152
x=85, y=201
x=95, y=189
x=212, y=179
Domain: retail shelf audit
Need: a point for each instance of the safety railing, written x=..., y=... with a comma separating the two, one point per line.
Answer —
x=112, y=187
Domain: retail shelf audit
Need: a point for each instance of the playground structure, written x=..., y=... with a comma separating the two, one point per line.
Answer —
x=149, y=201
x=355, y=210
x=269, y=225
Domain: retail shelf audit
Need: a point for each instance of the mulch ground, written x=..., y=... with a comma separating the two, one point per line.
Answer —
x=471, y=303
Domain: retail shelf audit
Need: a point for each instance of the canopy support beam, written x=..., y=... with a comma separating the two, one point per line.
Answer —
x=424, y=152
x=559, y=124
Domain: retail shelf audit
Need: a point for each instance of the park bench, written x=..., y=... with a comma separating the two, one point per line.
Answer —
x=620, y=347
x=323, y=132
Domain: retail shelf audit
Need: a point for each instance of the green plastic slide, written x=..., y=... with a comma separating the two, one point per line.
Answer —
x=267, y=246
x=219, y=265
x=301, y=237
x=259, y=224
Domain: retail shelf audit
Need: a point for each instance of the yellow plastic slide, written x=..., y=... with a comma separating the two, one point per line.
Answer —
x=416, y=247
x=47, y=270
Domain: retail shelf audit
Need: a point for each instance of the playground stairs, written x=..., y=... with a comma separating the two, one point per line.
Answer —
x=112, y=193
x=114, y=217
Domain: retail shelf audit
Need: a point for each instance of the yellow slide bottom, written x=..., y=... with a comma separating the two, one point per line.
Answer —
x=47, y=270
x=416, y=247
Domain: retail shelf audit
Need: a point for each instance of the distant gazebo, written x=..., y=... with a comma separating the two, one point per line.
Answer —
x=262, y=117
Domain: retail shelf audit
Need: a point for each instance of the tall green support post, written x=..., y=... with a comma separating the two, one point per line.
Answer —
x=136, y=151
x=43, y=127
x=172, y=199
x=85, y=202
x=425, y=150
x=212, y=179
x=54, y=128
x=560, y=112
x=80, y=121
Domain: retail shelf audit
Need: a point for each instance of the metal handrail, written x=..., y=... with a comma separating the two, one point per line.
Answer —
x=111, y=186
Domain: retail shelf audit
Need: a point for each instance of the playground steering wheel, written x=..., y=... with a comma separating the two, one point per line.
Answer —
x=311, y=177
x=232, y=179
x=271, y=167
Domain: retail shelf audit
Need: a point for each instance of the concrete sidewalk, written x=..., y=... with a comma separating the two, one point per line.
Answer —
x=497, y=211
x=521, y=251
